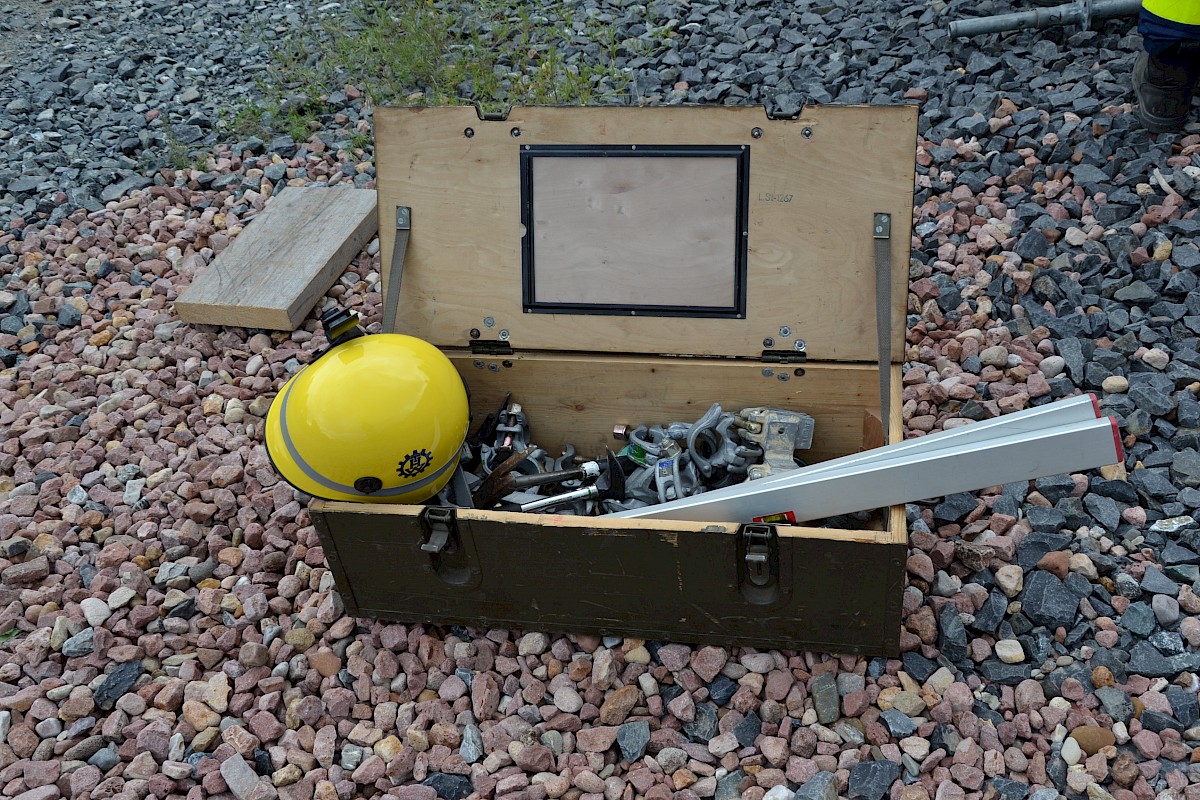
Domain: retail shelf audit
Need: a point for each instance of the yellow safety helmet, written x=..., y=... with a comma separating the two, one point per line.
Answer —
x=378, y=419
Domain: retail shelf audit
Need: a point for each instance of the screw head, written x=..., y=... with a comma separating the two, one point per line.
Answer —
x=807, y=133
x=768, y=342
x=767, y=372
x=756, y=133
x=504, y=334
x=799, y=344
x=478, y=363
x=489, y=322
x=783, y=376
x=493, y=367
x=785, y=331
x=474, y=333
x=468, y=132
x=515, y=132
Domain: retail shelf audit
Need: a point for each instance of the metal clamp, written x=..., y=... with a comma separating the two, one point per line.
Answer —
x=758, y=564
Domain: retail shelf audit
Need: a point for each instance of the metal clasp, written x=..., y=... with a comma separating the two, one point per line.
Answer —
x=759, y=552
x=760, y=580
x=441, y=530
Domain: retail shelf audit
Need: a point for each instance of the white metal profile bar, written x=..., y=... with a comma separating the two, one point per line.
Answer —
x=885, y=481
x=1081, y=408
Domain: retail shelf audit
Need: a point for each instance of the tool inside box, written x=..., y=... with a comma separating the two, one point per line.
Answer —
x=578, y=400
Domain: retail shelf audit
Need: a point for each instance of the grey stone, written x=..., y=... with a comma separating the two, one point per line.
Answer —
x=1046, y=601
x=80, y=644
x=727, y=786
x=822, y=786
x=1155, y=582
x=898, y=724
x=704, y=726
x=105, y=758
x=870, y=780
x=471, y=748
x=1166, y=609
x=239, y=776
x=953, y=638
x=1144, y=659
x=748, y=729
x=632, y=738
x=118, y=682
x=1138, y=619
x=825, y=698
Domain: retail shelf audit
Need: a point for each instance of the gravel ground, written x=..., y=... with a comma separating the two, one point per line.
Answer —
x=177, y=633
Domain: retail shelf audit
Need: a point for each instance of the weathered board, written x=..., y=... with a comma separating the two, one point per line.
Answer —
x=276, y=270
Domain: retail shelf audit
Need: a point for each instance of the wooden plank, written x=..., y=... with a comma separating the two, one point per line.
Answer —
x=277, y=269
x=557, y=573
x=812, y=200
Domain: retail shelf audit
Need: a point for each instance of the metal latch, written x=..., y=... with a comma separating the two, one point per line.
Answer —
x=441, y=530
x=760, y=553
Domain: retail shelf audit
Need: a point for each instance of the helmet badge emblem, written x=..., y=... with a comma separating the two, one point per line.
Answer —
x=414, y=463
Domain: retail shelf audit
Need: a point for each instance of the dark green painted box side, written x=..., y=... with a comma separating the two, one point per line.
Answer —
x=833, y=592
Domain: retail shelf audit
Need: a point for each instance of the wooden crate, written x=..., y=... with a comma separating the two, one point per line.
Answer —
x=809, y=187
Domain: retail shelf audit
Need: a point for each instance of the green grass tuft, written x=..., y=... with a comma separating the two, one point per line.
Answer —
x=405, y=52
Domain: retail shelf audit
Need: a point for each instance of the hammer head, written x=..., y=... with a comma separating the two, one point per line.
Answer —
x=499, y=483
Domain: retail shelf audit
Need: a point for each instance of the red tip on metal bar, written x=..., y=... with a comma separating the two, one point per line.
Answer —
x=1095, y=405
x=1117, y=440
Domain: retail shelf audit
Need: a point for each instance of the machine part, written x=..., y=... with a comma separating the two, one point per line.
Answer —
x=566, y=458
x=512, y=431
x=1080, y=12
x=644, y=439
x=621, y=432
x=666, y=472
x=887, y=478
x=609, y=486
x=640, y=486
x=779, y=433
x=702, y=431
x=386, y=406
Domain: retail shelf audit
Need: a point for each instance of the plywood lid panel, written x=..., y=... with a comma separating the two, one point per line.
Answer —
x=814, y=186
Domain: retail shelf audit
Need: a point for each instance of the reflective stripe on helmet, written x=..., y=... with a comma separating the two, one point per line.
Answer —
x=1186, y=12
x=320, y=479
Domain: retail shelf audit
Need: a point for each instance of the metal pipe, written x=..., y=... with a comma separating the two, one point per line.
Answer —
x=1081, y=13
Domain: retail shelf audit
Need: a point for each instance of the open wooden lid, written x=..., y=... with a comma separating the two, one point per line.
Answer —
x=693, y=230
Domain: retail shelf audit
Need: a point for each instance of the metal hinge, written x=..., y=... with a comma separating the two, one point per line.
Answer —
x=495, y=347
x=441, y=530
x=783, y=356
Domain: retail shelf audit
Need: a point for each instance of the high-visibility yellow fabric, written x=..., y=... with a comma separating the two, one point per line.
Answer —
x=1186, y=12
